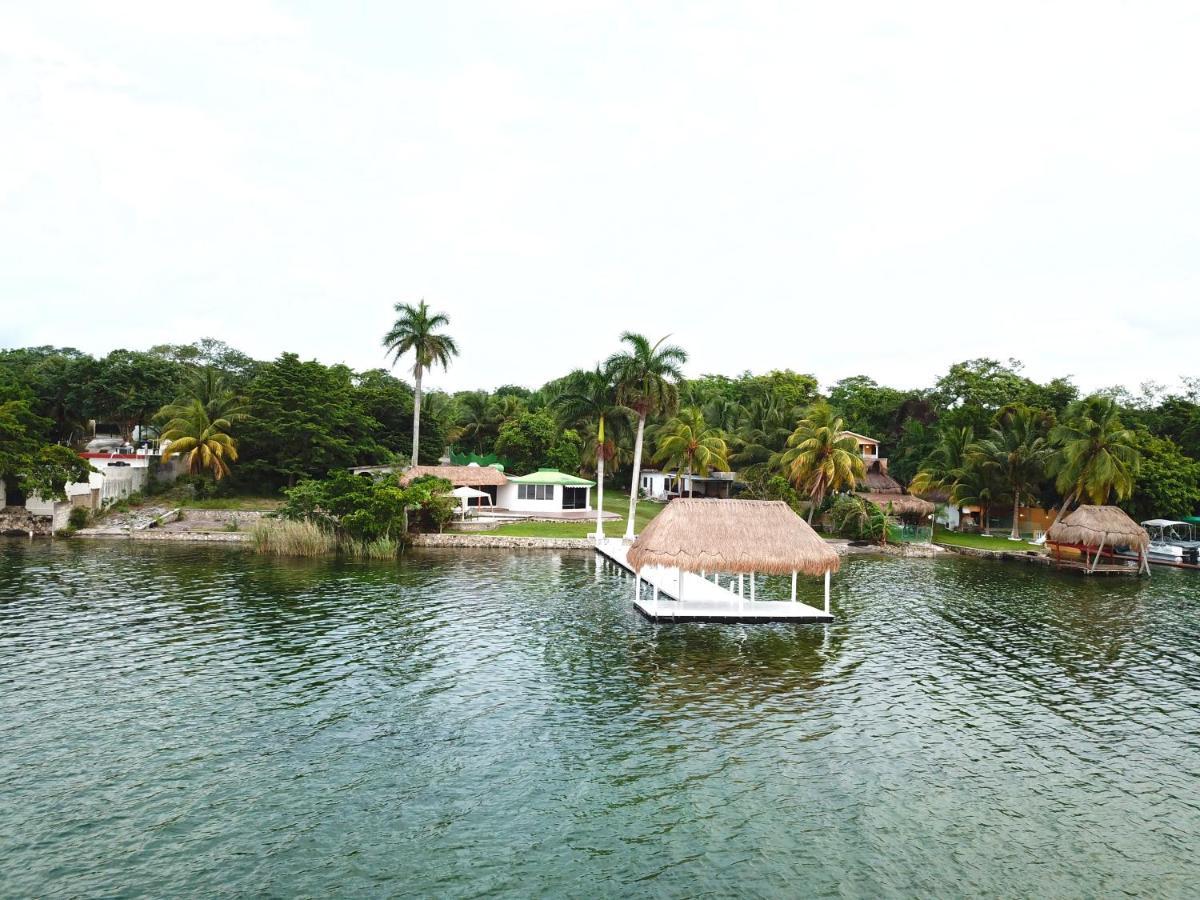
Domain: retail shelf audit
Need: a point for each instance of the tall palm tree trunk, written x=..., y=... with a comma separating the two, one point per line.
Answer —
x=416, y=412
x=1062, y=510
x=600, y=481
x=600, y=493
x=637, y=474
x=815, y=498
x=691, y=483
x=1015, y=534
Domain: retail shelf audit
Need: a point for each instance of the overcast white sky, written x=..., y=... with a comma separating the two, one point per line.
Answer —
x=834, y=188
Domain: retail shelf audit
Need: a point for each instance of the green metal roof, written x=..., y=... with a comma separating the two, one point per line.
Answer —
x=551, y=476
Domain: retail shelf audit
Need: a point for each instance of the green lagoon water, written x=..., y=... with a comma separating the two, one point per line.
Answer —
x=199, y=721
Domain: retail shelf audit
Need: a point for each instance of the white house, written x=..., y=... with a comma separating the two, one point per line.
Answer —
x=546, y=490
x=115, y=476
x=659, y=485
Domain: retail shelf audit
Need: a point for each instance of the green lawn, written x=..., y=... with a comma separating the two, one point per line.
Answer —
x=998, y=543
x=614, y=501
x=262, y=504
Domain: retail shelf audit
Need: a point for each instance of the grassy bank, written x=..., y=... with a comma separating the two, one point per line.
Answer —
x=995, y=543
x=614, y=502
x=250, y=504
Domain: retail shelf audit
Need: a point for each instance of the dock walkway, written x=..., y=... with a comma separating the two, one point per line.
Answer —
x=665, y=594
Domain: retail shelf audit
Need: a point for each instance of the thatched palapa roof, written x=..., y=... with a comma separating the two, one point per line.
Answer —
x=1090, y=526
x=878, y=482
x=901, y=504
x=458, y=476
x=732, y=536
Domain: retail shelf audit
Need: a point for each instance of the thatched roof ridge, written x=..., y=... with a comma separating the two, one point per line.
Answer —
x=880, y=483
x=902, y=504
x=732, y=536
x=1089, y=526
x=458, y=476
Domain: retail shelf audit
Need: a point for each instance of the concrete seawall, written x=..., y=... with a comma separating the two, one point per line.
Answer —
x=180, y=537
x=500, y=542
x=1035, y=558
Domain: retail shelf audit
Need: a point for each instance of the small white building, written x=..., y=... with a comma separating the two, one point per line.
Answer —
x=546, y=490
x=658, y=485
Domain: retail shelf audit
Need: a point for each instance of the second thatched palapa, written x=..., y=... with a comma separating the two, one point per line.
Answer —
x=1099, y=526
x=732, y=536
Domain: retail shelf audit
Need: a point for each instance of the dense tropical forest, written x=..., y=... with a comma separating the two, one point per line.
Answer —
x=982, y=433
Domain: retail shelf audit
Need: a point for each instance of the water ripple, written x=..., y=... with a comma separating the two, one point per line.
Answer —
x=199, y=720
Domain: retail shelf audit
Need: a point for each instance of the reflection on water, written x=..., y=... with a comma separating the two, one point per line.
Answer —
x=199, y=720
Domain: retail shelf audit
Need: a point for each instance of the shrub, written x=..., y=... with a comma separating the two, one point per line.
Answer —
x=858, y=519
x=78, y=518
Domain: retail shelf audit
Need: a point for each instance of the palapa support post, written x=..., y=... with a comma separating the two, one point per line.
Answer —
x=827, y=591
x=793, y=585
x=752, y=587
x=739, y=584
x=1099, y=550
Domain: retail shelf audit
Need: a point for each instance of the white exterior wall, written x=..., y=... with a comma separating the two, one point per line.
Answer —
x=506, y=497
x=653, y=484
x=949, y=516
x=57, y=511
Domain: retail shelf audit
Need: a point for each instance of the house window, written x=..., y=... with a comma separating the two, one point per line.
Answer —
x=535, y=492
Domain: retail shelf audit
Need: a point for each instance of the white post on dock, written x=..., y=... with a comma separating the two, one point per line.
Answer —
x=637, y=586
x=826, y=591
x=655, y=598
x=679, y=579
x=793, y=585
x=751, y=587
x=739, y=585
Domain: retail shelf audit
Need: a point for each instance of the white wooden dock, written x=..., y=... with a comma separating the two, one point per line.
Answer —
x=665, y=594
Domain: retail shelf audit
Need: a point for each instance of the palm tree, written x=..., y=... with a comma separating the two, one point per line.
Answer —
x=476, y=425
x=688, y=442
x=208, y=387
x=763, y=432
x=977, y=485
x=945, y=462
x=415, y=329
x=820, y=458
x=1017, y=451
x=204, y=440
x=590, y=399
x=647, y=377
x=1096, y=455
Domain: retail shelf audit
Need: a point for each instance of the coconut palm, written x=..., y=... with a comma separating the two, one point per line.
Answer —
x=763, y=432
x=476, y=420
x=1017, y=451
x=208, y=387
x=945, y=462
x=647, y=380
x=1096, y=456
x=589, y=401
x=687, y=442
x=821, y=459
x=977, y=485
x=205, y=442
x=415, y=329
